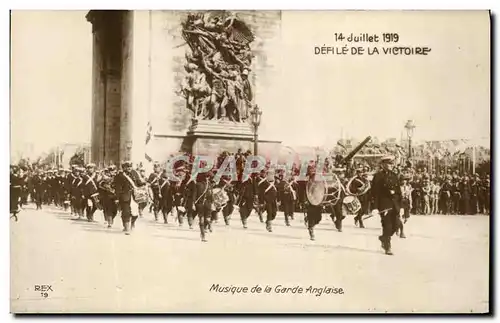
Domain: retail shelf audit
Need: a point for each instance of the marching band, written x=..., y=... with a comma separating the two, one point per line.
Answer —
x=360, y=193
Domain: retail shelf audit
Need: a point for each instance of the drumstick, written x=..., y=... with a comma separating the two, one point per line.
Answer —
x=381, y=213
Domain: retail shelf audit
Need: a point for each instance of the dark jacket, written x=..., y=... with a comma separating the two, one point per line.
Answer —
x=386, y=191
x=123, y=187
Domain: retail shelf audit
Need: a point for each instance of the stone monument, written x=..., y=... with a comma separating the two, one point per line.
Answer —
x=166, y=81
x=217, y=88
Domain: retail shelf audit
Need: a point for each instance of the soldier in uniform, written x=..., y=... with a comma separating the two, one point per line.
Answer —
x=16, y=182
x=24, y=181
x=203, y=203
x=177, y=189
x=246, y=198
x=38, y=189
x=154, y=183
x=68, y=184
x=166, y=197
x=269, y=194
x=77, y=197
x=60, y=185
x=188, y=198
x=359, y=187
x=338, y=210
x=90, y=191
x=227, y=185
x=107, y=195
x=287, y=189
x=313, y=213
x=125, y=182
x=260, y=203
x=387, y=201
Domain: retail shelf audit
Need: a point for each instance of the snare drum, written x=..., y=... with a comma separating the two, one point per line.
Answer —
x=140, y=195
x=352, y=204
x=220, y=198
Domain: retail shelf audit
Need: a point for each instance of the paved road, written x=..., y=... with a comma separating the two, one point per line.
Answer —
x=442, y=266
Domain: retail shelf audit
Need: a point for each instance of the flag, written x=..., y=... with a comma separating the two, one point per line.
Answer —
x=149, y=135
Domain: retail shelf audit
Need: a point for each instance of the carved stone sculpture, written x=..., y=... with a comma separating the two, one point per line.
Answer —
x=217, y=64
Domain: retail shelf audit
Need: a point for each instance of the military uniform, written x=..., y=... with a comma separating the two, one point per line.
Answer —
x=203, y=203
x=246, y=199
x=287, y=191
x=107, y=196
x=90, y=192
x=268, y=194
x=154, y=183
x=338, y=210
x=360, y=183
x=188, y=198
x=228, y=209
x=387, y=200
x=166, y=197
x=78, y=200
x=125, y=182
x=16, y=183
x=313, y=212
x=38, y=190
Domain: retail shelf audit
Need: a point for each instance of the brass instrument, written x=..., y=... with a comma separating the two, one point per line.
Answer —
x=365, y=186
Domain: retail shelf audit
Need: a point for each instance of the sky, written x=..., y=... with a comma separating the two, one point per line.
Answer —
x=51, y=78
x=446, y=93
x=313, y=98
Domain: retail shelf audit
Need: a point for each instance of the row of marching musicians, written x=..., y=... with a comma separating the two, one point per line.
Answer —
x=129, y=191
x=206, y=196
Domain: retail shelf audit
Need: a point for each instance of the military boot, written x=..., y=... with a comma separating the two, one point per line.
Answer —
x=311, y=233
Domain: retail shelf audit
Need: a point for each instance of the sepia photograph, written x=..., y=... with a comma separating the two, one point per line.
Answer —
x=250, y=161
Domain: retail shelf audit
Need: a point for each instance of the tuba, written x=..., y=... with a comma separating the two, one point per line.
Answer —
x=362, y=190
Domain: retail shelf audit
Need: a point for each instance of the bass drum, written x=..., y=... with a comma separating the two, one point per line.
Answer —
x=325, y=191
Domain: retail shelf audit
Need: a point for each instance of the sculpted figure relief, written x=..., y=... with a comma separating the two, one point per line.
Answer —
x=217, y=64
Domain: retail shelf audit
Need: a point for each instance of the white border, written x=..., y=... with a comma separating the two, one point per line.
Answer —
x=148, y=4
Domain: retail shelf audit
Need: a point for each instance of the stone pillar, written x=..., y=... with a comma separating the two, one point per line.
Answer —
x=135, y=84
x=97, y=122
x=107, y=66
x=112, y=75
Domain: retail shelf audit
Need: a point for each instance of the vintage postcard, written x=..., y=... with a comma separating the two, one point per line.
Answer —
x=250, y=161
